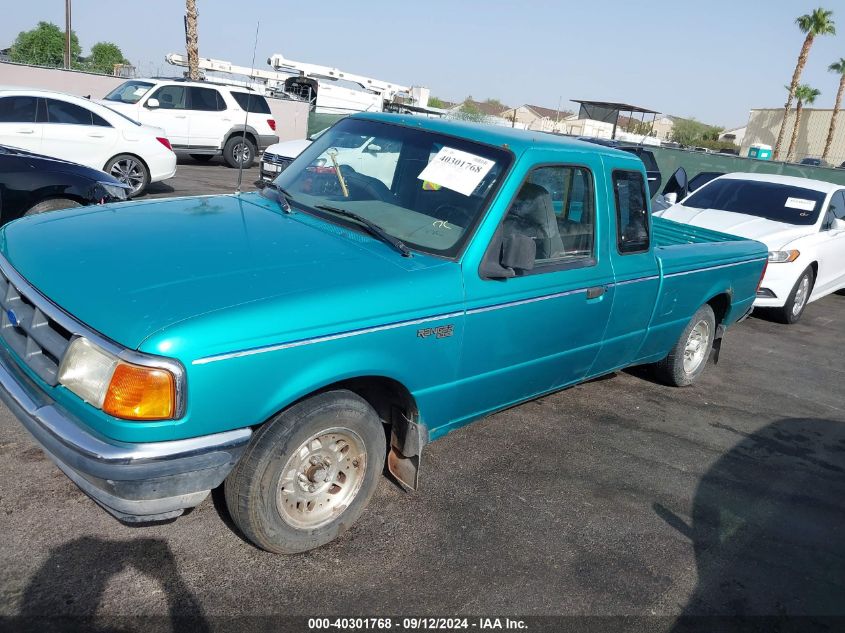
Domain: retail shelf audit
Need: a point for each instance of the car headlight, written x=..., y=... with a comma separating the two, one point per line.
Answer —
x=782, y=257
x=121, y=389
x=112, y=190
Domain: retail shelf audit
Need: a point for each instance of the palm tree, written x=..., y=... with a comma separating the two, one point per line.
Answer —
x=805, y=95
x=819, y=22
x=839, y=69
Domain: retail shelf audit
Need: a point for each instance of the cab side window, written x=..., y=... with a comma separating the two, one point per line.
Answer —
x=555, y=210
x=170, y=97
x=632, y=233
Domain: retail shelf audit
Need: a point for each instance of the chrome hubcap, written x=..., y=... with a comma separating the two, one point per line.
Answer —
x=241, y=152
x=801, y=296
x=322, y=478
x=129, y=172
x=697, y=345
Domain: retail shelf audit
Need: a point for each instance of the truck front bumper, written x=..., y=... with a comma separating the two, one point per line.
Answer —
x=135, y=482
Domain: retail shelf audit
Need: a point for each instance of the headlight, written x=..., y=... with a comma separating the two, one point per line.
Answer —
x=121, y=389
x=782, y=257
x=112, y=190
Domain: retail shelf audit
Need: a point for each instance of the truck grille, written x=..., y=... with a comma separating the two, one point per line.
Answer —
x=37, y=339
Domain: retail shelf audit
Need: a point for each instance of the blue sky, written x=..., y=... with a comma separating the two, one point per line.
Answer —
x=712, y=60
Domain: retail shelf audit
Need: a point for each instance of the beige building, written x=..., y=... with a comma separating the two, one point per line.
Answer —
x=533, y=117
x=764, y=124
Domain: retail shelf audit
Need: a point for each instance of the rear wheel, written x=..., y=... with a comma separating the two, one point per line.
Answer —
x=131, y=171
x=308, y=474
x=203, y=158
x=53, y=204
x=688, y=357
x=798, y=299
x=239, y=149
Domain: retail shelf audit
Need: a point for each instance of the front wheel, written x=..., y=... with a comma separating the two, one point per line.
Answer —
x=688, y=357
x=130, y=170
x=239, y=149
x=798, y=299
x=308, y=474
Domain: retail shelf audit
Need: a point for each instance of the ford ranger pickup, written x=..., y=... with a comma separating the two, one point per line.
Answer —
x=288, y=343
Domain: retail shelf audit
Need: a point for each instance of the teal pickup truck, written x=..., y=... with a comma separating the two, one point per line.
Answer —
x=287, y=343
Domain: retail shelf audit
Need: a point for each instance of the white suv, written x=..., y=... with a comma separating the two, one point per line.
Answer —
x=202, y=119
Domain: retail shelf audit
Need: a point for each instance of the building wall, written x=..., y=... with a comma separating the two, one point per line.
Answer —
x=764, y=124
x=291, y=116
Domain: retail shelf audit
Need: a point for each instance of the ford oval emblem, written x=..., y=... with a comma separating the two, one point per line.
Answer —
x=13, y=318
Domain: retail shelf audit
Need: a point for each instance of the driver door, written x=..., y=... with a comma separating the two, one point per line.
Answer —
x=831, y=248
x=541, y=329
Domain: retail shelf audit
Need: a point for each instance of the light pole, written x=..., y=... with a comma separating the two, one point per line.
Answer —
x=67, y=35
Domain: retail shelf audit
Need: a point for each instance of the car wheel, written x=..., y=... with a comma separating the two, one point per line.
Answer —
x=798, y=299
x=131, y=171
x=202, y=158
x=53, y=204
x=688, y=357
x=308, y=473
x=239, y=149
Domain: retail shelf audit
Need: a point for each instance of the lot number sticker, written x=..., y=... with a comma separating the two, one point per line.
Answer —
x=456, y=170
x=800, y=203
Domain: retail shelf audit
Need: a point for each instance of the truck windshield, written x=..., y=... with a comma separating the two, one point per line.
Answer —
x=426, y=189
x=129, y=92
x=770, y=200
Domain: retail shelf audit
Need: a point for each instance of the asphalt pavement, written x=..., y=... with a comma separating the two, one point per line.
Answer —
x=618, y=497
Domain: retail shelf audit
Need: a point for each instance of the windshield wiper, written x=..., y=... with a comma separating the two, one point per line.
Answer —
x=372, y=228
x=284, y=197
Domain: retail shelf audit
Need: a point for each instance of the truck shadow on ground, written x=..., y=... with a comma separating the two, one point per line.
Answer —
x=768, y=525
x=85, y=566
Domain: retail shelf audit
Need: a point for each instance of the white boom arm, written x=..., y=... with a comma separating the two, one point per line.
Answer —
x=386, y=89
x=221, y=66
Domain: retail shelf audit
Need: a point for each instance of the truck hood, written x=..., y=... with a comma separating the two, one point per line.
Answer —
x=133, y=269
x=773, y=234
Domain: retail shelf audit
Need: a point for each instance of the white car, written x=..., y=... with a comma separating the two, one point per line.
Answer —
x=802, y=222
x=76, y=129
x=365, y=154
x=202, y=119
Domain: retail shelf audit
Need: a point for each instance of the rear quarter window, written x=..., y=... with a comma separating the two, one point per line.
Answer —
x=252, y=102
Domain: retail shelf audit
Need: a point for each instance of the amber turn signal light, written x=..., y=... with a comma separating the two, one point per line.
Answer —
x=140, y=393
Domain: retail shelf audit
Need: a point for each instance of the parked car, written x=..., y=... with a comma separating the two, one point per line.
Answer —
x=32, y=183
x=278, y=157
x=802, y=221
x=275, y=339
x=76, y=129
x=202, y=119
x=644, y=154
x=813, y=162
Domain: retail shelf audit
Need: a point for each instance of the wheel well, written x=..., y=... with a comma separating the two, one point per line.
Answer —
x=721, y=303
x=237, y=133
x=815, y=267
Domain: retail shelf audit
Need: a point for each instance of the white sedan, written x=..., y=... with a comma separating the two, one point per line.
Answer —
x=76, y=129
x=802, y=222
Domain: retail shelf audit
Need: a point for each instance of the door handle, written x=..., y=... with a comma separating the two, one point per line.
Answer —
x=27, y=130
x=95, y=135
x=180, y=116
x=595, y=292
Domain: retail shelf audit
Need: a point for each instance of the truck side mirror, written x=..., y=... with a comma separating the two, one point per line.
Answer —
x=152, y=104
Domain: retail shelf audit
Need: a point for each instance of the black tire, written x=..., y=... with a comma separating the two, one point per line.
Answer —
x=129, y=170
x=202, y=158
x=262, y=491
x=671, y=370
x=792, y=312
x=232, y=147
x=53, y=204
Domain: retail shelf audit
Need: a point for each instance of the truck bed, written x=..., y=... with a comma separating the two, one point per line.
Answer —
x=669, y=233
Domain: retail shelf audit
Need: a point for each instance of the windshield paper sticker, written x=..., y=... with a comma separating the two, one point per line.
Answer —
x=456, y=170
x=800, y=203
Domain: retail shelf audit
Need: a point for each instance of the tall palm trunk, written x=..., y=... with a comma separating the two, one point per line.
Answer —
x=796, y=77
x=793, y=141
x=191, y=39
x=836, y=108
